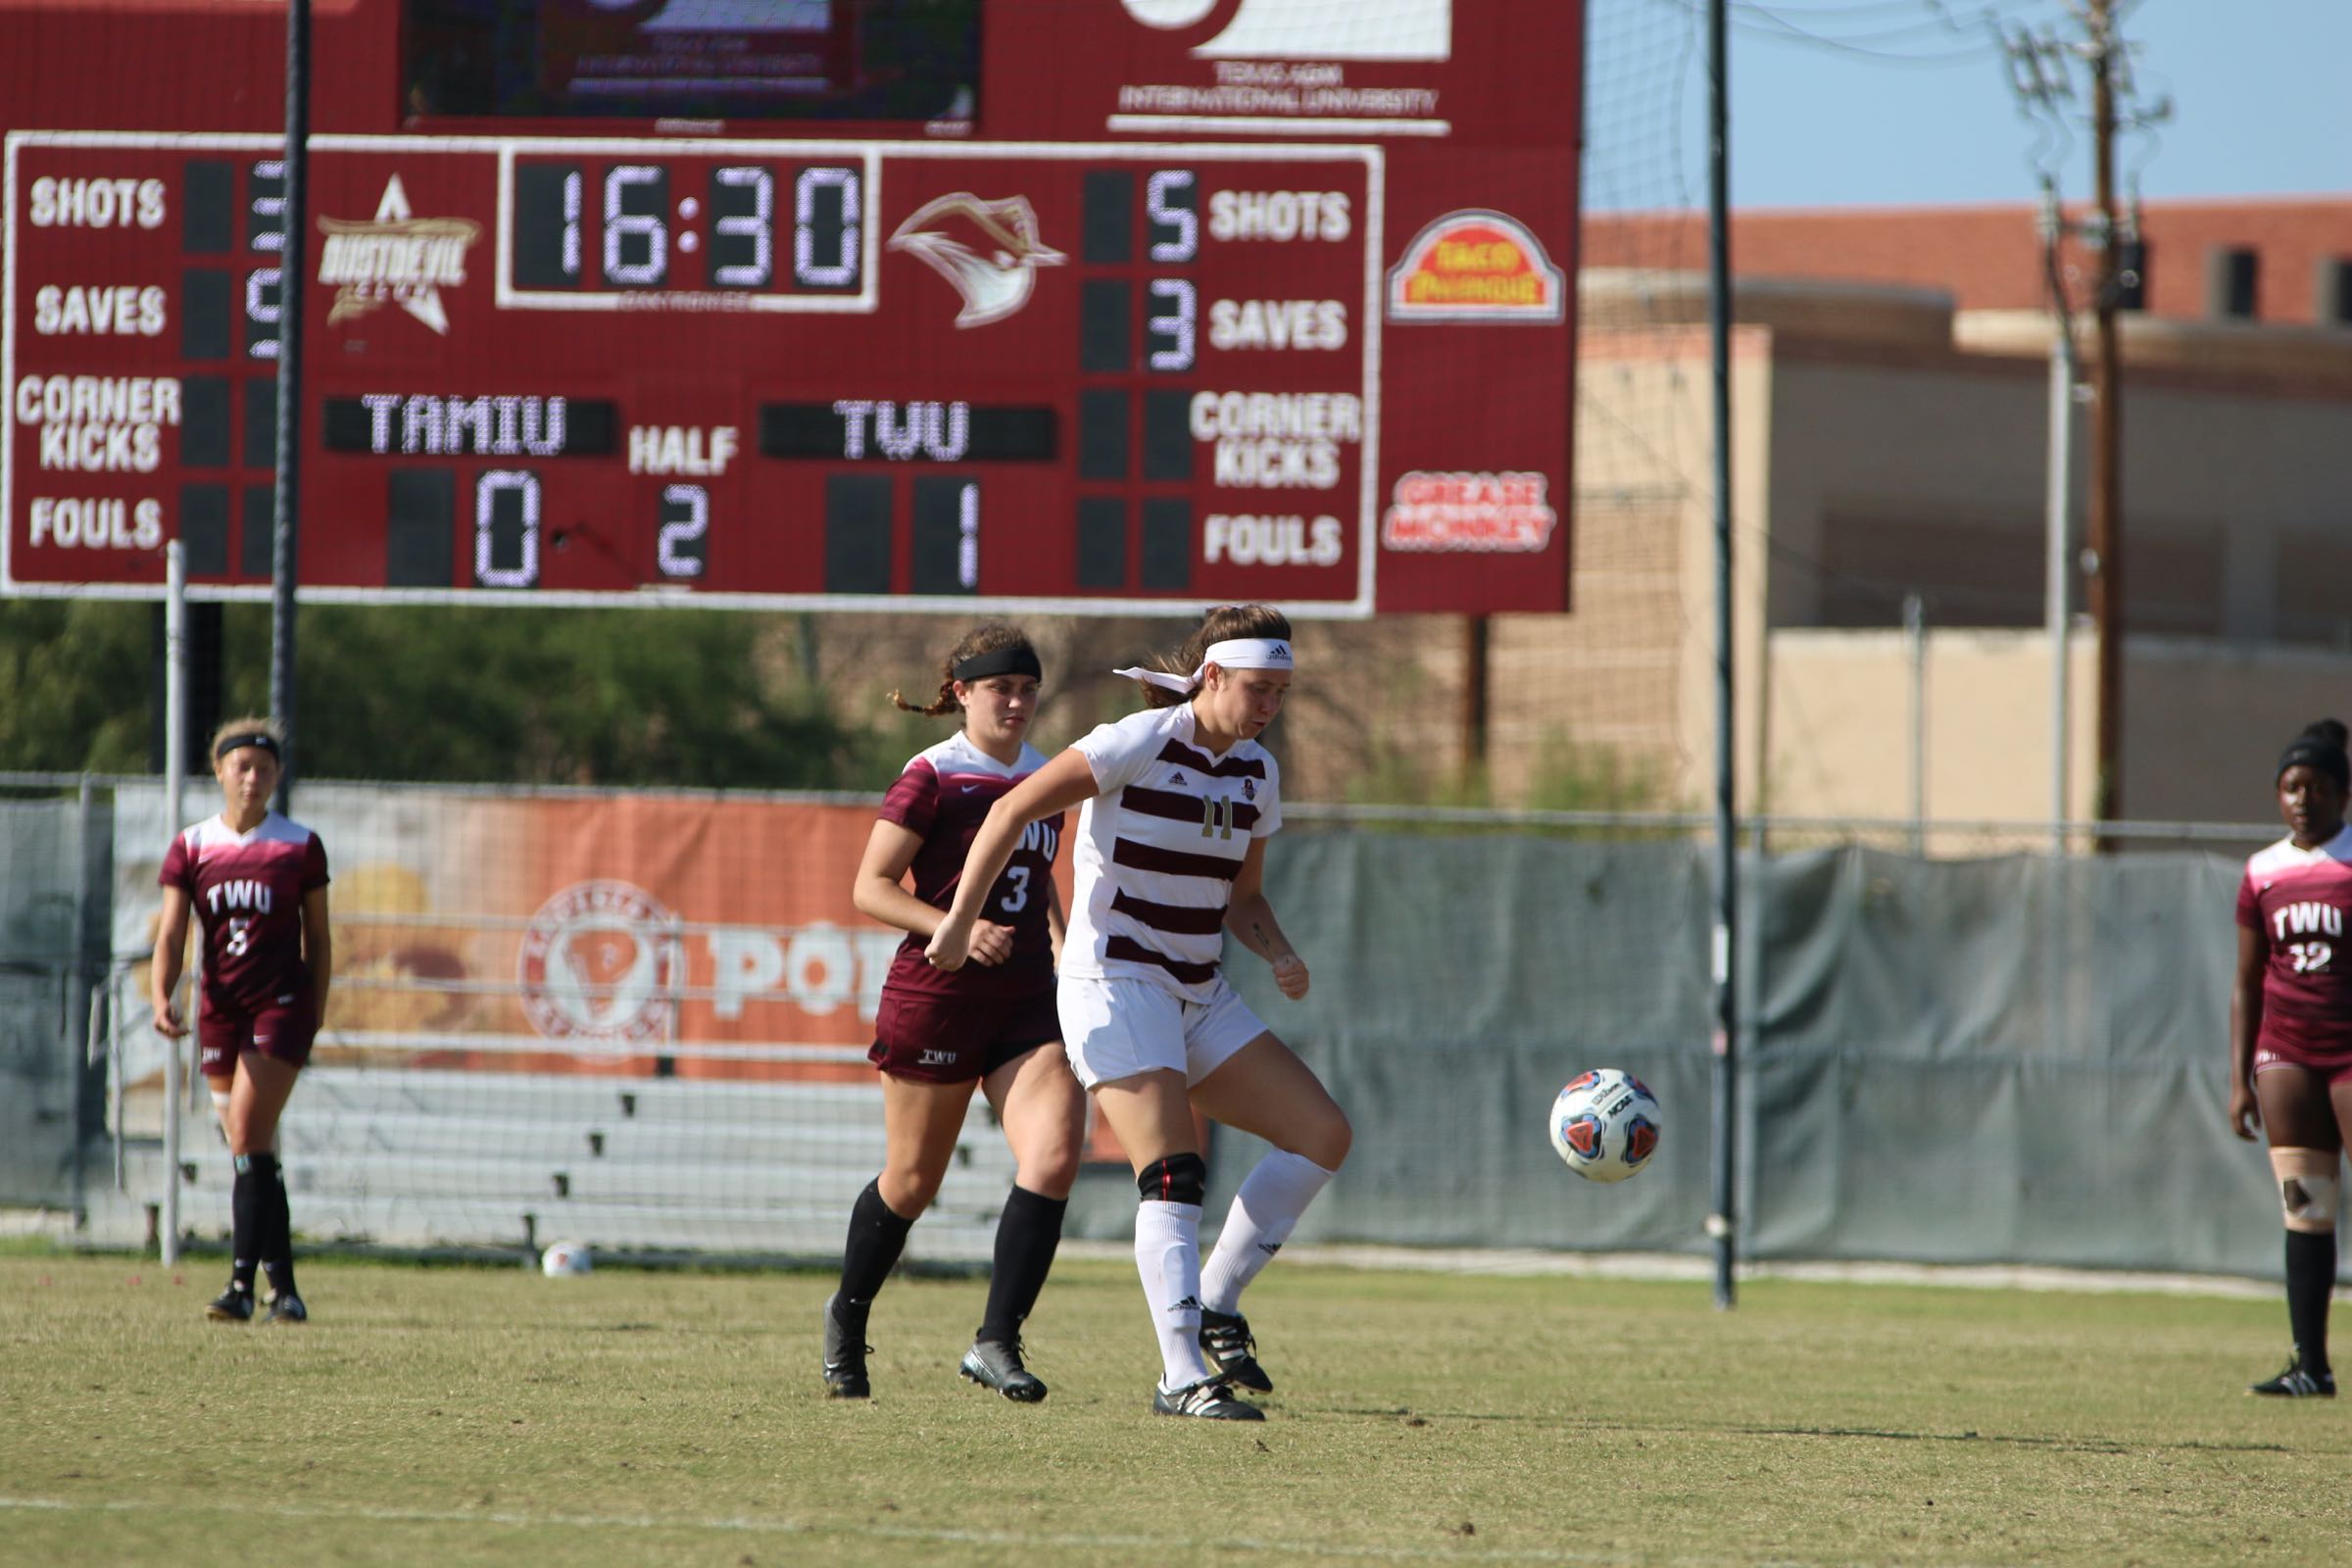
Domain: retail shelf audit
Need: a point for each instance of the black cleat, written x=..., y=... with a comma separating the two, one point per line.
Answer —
x=997, y=1364
x=286, y=1307
x=2297, y=1383
x=231, y=1305
x=1209, y=1399
x=845, y=1358
x=1225, y=1336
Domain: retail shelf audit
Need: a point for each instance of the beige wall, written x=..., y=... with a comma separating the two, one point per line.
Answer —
x=2203, y=726
x=1885, y=444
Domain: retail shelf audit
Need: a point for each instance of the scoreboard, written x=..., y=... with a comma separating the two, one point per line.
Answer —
x=782, y=363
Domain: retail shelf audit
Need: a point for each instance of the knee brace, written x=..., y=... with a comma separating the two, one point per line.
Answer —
x=2307, y=1188
x=1182, y=1179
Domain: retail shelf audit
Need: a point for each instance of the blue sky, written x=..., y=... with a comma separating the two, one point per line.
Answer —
x=1839, y=102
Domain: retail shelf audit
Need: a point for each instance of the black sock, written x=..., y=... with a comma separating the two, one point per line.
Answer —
x=247, y=1217
x=877, y=1236
x=1027, y=1233
x=277, y=1251
x=2310, y=1281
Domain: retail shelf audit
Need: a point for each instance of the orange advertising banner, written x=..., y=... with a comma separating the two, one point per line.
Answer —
x=695, y=936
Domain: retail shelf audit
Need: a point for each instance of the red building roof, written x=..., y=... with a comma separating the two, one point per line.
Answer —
x=1990, y=257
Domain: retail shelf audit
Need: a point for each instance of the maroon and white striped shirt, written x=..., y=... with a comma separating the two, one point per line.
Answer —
x=1159, y=847
x=944, y=794
x=247, y=891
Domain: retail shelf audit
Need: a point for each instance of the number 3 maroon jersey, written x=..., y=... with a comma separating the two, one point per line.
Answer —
x=944, y=794
x=2296, y=901
x=247, y=891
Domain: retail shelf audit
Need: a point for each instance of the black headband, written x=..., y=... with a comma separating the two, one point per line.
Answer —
x=2317, y=751
x=1018, y=659
x=229, y=743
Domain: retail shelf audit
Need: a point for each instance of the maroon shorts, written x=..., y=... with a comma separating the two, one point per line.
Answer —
x=2334, y=1066
x=953, y=1040
x=282, y=1034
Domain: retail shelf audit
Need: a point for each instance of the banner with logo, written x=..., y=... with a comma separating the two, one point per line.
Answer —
x=698, y=936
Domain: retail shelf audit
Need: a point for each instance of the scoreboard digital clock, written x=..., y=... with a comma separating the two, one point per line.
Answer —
x=810, y=367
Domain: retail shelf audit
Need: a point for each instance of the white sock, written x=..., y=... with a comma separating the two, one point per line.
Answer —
x=1264, y=1214
x=1168, y=1255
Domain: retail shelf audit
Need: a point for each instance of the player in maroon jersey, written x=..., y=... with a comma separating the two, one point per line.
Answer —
x=2290, y=1031
x=258, y=885
x=937, y=1034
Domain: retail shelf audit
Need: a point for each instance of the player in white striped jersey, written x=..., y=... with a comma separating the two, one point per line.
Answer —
x=1179, y=802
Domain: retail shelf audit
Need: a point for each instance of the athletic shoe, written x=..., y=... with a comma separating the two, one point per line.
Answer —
x=845, y=1358
x=997, y=1364
x=231, y=1305
x=1209, y=1399
x=2296, y=1383
x=1225, y=1336
x=286, y=1307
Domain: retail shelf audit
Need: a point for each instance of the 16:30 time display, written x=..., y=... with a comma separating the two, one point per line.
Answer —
x=747, y=228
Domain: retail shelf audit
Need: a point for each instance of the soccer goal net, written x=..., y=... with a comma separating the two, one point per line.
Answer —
x=636, y=1022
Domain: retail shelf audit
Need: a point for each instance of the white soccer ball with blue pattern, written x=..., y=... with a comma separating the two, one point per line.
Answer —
x=562, y=1260
x=1605, y=1124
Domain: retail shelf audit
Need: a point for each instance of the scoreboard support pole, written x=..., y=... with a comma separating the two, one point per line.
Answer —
x=1723, y=1222
x=285, y=522
x=176, y=769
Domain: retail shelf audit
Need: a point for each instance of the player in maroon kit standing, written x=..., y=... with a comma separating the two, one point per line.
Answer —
x=2290, y=1031
x=937, y=1034
x=257, y=884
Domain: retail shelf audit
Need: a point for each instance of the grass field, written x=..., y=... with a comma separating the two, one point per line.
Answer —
x=462, y=1416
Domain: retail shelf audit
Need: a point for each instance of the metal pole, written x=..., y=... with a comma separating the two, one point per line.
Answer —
x=2057, y=505
x=175, y=767
x=1722, y=1223
x=1915, y=643
x=285, y=537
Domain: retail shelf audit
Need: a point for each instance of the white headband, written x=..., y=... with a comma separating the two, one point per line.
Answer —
x=1234, y=653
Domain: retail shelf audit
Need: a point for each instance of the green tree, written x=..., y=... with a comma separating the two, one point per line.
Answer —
x=73, y=679
x=630, y=697
x=643, y=697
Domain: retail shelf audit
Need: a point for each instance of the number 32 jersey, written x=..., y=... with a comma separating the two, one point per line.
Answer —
x=2296, y=901
x=943, y=795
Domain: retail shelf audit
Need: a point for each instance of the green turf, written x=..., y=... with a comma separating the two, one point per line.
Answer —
x=462, y=1416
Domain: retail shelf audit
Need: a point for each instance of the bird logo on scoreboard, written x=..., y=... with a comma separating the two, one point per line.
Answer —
x=990, y=251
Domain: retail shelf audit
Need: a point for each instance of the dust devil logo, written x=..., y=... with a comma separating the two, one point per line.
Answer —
x=399, y=257
x=990, y=251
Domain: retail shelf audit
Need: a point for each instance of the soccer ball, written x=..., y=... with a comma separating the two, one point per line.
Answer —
x=563, y=1259
x=1605, y=1124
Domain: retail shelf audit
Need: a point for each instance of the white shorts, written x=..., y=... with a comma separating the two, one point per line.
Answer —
x=1116, y=1027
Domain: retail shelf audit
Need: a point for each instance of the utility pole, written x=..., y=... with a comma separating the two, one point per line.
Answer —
x=2105, y=560
x=2040, y=70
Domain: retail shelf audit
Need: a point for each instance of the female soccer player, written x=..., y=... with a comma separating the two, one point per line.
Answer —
x=257, y=884
x=1179, y=802
x=937, y=1034
x=2290, y=1031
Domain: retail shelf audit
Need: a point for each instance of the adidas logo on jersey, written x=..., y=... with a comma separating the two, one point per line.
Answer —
x=1177, y=777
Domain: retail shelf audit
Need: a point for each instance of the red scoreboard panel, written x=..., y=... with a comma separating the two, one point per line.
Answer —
x=1175, y=300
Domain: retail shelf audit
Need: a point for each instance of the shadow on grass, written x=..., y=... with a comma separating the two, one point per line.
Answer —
x=1868, y=1434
